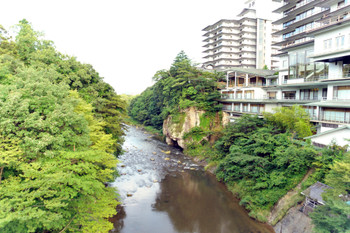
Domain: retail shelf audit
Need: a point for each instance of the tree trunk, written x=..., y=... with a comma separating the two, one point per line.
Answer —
x=1, y=171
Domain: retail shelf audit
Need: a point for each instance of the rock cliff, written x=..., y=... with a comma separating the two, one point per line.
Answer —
x=176, y=126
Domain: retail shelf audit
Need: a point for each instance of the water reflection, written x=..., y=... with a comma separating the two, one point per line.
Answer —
x=196, y=202
x=161, y=194
x=118, y=220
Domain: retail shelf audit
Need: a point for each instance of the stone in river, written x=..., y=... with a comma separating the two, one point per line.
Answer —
x=129, y=195
x=152, y=159
x=167, y=159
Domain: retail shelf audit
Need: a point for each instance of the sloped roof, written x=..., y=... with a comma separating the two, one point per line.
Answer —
x=329, y=131
x=315, y=191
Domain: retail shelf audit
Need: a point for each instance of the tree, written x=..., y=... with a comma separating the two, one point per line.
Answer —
x=261, y=162
x=292, y=119
x=180, y=87
x=334, y=215
x=27, y=41
x=60, y=125
x=9, y=156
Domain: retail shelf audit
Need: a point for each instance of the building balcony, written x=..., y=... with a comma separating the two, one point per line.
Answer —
x=292, y=12
x=339, y=120
x=247, y=62
x=246, y=49
x=257, y=85
x=244, y=111
x=246, y=23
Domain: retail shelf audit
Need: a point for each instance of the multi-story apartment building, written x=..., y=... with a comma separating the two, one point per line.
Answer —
x=314, y=66
x=243, y=42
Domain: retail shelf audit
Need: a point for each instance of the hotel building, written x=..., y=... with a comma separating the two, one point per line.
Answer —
x=243, y=42
x=314, y=66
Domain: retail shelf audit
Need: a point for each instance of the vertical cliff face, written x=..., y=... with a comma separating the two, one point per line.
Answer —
x=176, y=126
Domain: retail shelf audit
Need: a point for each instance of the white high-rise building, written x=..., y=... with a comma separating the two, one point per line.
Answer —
x=314, y=69
x=246, y=41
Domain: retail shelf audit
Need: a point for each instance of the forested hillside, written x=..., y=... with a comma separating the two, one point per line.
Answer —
x=60, y=132
x=180, y=87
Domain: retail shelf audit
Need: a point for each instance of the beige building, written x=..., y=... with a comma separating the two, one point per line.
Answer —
x=246, y=41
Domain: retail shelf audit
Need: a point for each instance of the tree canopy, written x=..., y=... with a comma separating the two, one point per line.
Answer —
x=180, y=87
x=60, y=130
x=334, y=215
x=262, y=161
x=293, y=119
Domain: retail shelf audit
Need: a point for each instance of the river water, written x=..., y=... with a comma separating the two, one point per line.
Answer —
x=163, y=191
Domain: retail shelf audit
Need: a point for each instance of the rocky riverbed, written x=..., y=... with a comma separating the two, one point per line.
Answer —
x=162, y=190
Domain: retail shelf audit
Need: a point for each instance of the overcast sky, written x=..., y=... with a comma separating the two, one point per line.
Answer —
x=126, y=41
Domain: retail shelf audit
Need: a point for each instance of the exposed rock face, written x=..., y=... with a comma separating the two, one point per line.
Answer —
x=294, y=221
x=174, y=130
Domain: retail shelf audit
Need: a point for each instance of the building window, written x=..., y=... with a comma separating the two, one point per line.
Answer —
x=341, y=4
x=342, y=92
x=309, y=94
x=327, y=44
x=239, y=95
x=249, y=94
x=336, y=115
x=271, y=95
x=284, y=64
x=346, y=70
x=254, y=108
x=289, y=95
x=340, y=41
x=333, y=126
x=245, y=107
x=257, y=108
x=311, y=111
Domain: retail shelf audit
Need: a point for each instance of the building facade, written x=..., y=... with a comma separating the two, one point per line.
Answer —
x=314, y=65
x=243, y=42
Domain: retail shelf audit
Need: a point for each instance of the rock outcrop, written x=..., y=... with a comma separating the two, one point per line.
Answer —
x=294, y=221
x=175, y=129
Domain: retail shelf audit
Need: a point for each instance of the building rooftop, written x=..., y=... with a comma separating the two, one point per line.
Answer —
x=329, y=131
x=245, y=10
x=331, y=104
x=315, y=191
x=257, y=72
x=219, y=22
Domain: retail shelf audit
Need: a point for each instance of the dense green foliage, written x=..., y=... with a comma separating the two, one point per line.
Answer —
x=334, y=216
x=291, y=119
x=180, y=87
x=262, y=161
x=60, y=125
x=323, y=163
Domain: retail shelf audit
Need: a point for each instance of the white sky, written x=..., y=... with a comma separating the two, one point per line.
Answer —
x=126, y=41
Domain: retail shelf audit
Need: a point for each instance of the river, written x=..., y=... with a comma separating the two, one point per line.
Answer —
x=163, y=191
